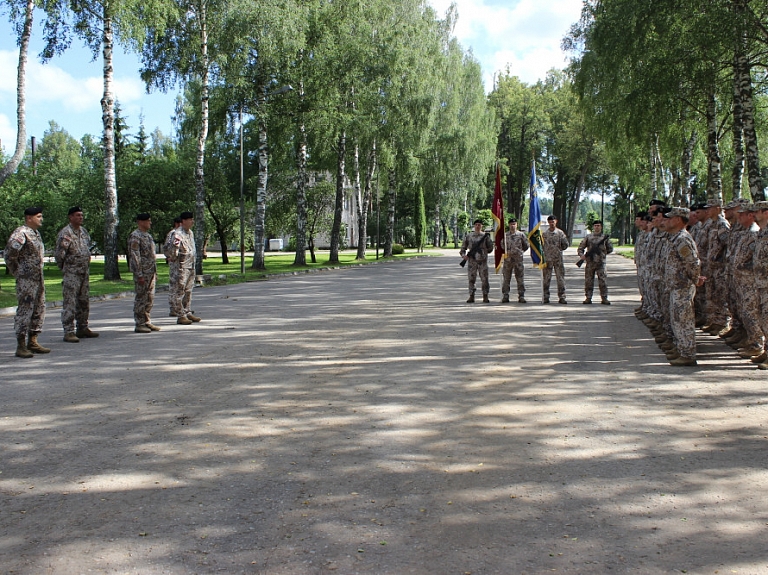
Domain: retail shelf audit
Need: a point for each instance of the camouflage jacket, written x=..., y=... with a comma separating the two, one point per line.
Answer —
x=181, y=248
x=717, y=243
x=555, y=242
x=600, y=243
x=515, y=245
x=683, y=266
x=73, y=250
x=24, y=253
x=141, y=254
x=745, y=249
x=471, y=239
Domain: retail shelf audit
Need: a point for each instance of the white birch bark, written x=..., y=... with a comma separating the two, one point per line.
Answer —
x=111, y=220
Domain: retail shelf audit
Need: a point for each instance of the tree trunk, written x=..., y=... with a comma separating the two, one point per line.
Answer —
x=361, y=213
x=111, y=220
x=743, y=72
x=21, y=80
x=391, y=197
x=202, y=136
x=714, y=177
x=220, y=231
x=261, y=192
x=685, y=167
x=577, y=194
x=737, y=174
x=301, y=188
x=652, y=164
x=339, y=204
x=364, y=206
x=436, y=223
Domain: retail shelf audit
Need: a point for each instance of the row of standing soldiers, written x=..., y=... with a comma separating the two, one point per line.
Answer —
x=710, y=274
x=25, y=258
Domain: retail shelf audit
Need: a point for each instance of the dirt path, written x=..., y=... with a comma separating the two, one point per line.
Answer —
x=366, y=420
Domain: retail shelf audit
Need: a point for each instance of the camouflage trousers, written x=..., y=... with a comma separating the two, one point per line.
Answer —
x=590, y=270
x=716, y=295
x=76, y=292
x=144, y=300
x=763, y=309
x=658, y=299
x=749, y=307
x=682, y=320
x=547, y=278
x=173, y=278
x=180, y=294
x=519, y=268
x=641, y=287
x=478, y=268
x=30, y=311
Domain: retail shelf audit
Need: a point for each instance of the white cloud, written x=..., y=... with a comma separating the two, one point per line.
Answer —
x=525, y=34
x=7, y=134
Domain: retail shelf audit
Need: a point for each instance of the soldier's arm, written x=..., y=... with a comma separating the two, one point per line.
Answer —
x=563, y=241
x=526, y=244
x=60, y=252
x=582, y=247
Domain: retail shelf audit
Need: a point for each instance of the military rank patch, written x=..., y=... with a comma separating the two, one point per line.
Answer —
x=685, y=251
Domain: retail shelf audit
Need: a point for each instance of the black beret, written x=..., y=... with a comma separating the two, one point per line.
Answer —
x=477, y=221
x=33, y=211
x=641, y=215
x=177, y=220
x=657, y=203
x=143, y=217
x=597, y=222
x=186, y=215
x=550, y=218
x=74, y=210
x=512, y=221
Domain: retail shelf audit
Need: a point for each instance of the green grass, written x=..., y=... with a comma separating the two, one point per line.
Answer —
x=275, y=262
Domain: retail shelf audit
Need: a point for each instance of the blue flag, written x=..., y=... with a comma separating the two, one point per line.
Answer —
x=534, y=224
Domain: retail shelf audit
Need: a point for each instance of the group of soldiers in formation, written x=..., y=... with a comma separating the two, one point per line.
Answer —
x=705, y=267
x=592, y=250
x=25, y=257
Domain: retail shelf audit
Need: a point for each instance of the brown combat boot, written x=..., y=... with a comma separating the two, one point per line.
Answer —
x=193, y=318
x=762, y=358
x=84, y=332
x=682, y=361
x=142, y=329
x=153, y=327
x=471, y=299
x=21, y=347
x=485, y=298
x=750, y=352
x=70, y=337
x=183, y=321
x=505, y=298
x=35, y=347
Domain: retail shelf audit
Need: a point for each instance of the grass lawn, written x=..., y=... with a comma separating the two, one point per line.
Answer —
x=275, y=262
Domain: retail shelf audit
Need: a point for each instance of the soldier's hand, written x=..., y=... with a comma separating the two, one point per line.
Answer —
x=701, y=281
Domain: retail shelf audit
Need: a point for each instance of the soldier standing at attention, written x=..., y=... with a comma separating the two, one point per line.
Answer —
x=681, y=276
x=73, y=256
x=24, y=260
x=173, y=267
x=515, y=245
x=475, y=249
x=555, y=243
x=593, y=250
x=182, y=252
x=141, y=260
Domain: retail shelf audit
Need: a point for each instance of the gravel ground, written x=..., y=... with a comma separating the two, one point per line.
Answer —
x=367, y=420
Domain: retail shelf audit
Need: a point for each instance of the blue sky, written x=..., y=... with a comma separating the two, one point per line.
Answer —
x=523, y=35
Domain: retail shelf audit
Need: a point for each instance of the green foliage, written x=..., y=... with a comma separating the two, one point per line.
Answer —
x=420, y=222
x=397, y=249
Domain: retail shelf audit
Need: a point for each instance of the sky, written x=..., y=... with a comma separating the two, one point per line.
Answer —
x=522, y=35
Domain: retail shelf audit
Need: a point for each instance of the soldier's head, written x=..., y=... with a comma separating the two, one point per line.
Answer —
x=75, y=215
x=512, y=224
x=597, y=227
x=676, y=219
x=33, y=217
x=552, y=222
x=761, y=213
x=713, y=207
x=746, y=215
x=478, y=225
x=176, y=222
x=143, y=222
x=640, y=221
x=187, y=220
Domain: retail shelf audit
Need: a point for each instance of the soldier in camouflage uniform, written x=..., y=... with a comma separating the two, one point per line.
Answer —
x=697, y=223
x=182, y=251
x=641, y=242
x=682, y=275
x=515, y=245
x=73, y=256
x=555, y=243
x=482, y=244
x=598, y=246
x=748, y=302
x=24, y=260
x=760, y=260
x=173, y=267
x=716, y=285
x=141, y=261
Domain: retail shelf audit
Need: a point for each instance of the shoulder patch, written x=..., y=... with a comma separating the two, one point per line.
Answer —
x=685, y=251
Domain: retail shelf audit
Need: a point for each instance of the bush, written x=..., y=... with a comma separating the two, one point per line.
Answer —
x=397, y=249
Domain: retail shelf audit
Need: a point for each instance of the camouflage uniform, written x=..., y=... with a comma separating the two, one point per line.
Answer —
x=478, y=264
x=24, y=260
x=173, y=268
x=700, y=234
x=734, y=238
x=760, y=270
x=595, y=264
x=514, y=245
x=181, y=251
x=641, y=244
x=717, y=284
x=141, y=260
x=744, y=278
x=555, y=243
x=656, y=256
x=73, y=256
x=681, y=274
